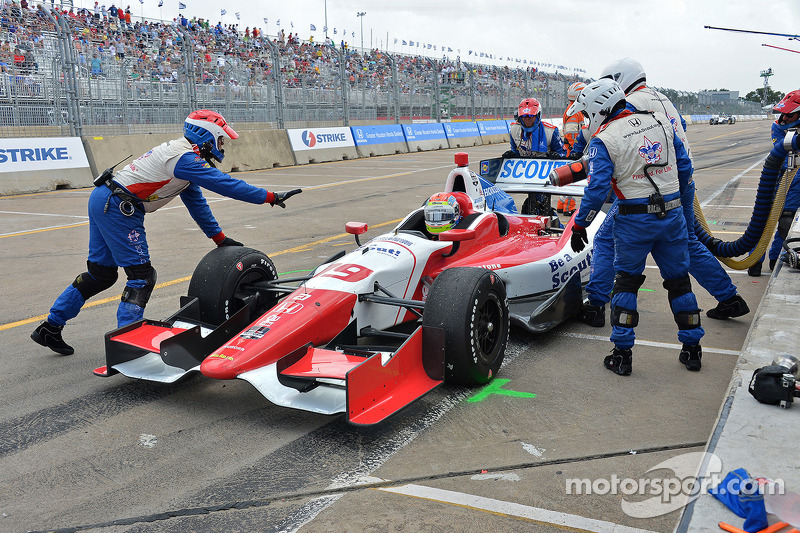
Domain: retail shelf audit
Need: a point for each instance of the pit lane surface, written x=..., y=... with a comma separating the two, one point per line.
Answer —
x=83, y=453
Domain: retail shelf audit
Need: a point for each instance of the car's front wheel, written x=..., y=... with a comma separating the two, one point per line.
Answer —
x=470, y=305
x=220, y=283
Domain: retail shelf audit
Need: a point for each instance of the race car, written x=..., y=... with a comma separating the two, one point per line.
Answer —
x=722, y=118
x=367, y=333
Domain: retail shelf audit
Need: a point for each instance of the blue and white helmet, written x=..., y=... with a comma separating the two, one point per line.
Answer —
x=205, y=129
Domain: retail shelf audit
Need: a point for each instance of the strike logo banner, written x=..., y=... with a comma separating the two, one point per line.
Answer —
x=41, y=153
x=320, y=138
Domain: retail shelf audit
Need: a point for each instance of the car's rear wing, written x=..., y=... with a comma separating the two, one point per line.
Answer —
x=528, y=176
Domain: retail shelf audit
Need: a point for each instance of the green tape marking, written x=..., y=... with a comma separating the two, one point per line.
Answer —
x=496, y=387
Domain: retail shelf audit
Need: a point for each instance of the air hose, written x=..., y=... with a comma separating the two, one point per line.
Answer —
x=766, y=211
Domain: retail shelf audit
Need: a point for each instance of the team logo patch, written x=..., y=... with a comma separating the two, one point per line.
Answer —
x=309, y=139
x=651, y=151
x=133, y=236
x=635, y=122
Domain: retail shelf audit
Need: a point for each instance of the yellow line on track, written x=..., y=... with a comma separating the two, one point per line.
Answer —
x=296, y=249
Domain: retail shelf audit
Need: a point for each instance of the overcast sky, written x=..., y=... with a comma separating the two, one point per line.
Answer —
x=666, y=36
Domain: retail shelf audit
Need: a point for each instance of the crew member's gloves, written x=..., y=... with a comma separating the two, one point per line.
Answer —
x=552, y=155
x=227, y=241
x=579, y=239
x=509, y=154
x=221, y=240
x=278, y=197
x=575, y=155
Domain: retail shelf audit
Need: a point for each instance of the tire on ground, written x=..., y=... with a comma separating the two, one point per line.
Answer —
x=218, y=280
x=470, y=305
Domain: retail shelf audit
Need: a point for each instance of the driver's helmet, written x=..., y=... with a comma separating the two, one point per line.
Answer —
x=206, y=130
x=788, y=105
x=442, y=212
x=529, y=107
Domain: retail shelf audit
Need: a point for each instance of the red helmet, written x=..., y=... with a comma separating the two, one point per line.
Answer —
x=529, y=107
x=789, y=104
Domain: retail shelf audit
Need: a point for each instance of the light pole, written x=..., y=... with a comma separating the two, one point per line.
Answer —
x=360, y=15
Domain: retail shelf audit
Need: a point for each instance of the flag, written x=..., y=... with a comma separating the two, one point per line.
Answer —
x=325, y=29
x=278, y=22
x=222, y=12
x=395, y=40
x=334, y=31
x=141, y=1
x=354, y=34
x=160, y=3
x=181, y=5
x=404, y=43
x=291, y=24
x=449, y=49
x=237, y=16
x=313, y=28
x=410, y=43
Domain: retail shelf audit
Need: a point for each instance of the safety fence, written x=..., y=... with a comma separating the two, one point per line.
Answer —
x=68, y=81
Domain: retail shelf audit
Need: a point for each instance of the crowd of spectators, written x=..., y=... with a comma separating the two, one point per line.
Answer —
x=109, y=41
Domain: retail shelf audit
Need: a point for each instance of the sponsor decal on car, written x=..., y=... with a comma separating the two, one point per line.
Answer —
x=564, y=268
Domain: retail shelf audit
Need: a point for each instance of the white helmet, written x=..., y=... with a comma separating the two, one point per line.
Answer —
x=627, y=72
x=574, y=90
x=596, y=102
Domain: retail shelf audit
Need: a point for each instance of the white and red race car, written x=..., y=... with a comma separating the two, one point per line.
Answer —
x=370, y=331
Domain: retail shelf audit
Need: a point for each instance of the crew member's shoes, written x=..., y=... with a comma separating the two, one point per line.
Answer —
x=730, y=308
x=49, y=335
x=690, y=356
x=593, y=315
x=620, y=361
x=754, y=271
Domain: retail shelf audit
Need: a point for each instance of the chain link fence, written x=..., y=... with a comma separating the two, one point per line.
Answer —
x=67, y=74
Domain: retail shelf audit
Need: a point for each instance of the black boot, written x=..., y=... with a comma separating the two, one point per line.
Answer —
x=49, y=335
x=620, y=361
x=593, y=315
x=754, y=271
x=690, y=356
x=730, y=308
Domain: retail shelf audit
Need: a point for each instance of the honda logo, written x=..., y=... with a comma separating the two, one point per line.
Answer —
x=635, y=122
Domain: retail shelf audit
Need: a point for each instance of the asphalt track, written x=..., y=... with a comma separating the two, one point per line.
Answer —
x=83, y=453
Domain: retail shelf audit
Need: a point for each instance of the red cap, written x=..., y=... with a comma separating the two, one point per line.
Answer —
x=462, y=159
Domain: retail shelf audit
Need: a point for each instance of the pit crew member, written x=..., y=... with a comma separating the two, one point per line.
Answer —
x=640, y=156
x=117, y=207
x=703, y=266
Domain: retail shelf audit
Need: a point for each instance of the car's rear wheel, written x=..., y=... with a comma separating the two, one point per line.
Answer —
x=220, y=282
x=470, y=305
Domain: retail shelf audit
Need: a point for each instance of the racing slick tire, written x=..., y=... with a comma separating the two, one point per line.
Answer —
x=219, y=280
x=711, y=122
x=732, y=120
x=470, y=305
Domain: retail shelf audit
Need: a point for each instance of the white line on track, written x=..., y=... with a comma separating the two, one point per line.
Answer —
x=554, y=518
x=638, y=342
x=737, y=177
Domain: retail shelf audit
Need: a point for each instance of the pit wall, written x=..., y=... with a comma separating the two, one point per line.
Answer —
x=260, y=149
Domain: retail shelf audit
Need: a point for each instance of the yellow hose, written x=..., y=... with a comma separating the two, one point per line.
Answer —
x=769, y=228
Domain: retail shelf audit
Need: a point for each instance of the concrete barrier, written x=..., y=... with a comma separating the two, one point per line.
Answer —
x=34, y=164
x=493, y=131
x=253, y=150
x=462, y=134
x=315, y=145
x=422, y=137
x=379, y=140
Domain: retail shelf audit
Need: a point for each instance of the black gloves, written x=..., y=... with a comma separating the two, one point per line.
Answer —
x=227, y=241
x=579, y=239
x=552, y=155
x=509, y=154
x=281, y=196
x=575, y=155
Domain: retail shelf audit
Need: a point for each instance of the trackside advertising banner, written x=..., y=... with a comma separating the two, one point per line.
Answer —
x=41, y=153
x=423, y=132
x=320, y=138
x=493, y=127
x=363, y=135
x=455, y=130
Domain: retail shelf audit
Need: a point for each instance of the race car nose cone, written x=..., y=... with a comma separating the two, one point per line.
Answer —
x=219, y=366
